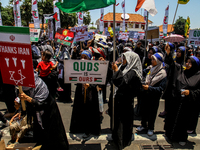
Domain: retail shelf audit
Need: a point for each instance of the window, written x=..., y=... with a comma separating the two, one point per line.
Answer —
x=105, y=24
x=143, y=26
x=136, y=25
x=118, y=24
x=111, y=24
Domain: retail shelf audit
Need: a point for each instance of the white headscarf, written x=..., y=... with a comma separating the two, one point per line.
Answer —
x=156, y=73
x=133, y=63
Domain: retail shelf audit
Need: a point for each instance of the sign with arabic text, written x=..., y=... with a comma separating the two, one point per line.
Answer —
x=81, y=33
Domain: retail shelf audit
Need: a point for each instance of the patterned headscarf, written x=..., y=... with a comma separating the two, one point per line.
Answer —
x=40, y=92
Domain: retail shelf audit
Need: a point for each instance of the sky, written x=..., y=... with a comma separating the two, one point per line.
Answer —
x=191, y=9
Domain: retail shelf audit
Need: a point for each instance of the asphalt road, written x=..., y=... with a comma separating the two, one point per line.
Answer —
x=104, y=141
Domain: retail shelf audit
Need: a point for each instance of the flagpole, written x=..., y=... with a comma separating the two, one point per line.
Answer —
x=146, y=33
x=114, y=46
x=174, y=16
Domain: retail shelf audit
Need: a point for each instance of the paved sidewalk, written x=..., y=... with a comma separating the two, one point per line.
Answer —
x=104, y=142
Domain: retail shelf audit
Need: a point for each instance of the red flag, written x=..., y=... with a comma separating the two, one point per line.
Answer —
x=55, y=16
x=139, y=5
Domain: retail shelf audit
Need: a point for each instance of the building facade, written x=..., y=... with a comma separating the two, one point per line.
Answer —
x=133, y=22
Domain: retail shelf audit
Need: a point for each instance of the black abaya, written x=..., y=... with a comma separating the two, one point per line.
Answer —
x=85, y=116
x=128, y=87
x=179, y=113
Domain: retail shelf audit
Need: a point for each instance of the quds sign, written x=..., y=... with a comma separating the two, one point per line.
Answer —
x=85, y=71
x=194, y=38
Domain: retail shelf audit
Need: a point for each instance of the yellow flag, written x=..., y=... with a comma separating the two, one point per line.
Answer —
x=110, y=31
x=183, y=1
x=187, y=25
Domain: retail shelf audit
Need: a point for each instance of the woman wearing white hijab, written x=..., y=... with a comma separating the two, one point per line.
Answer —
x=153, y=87
x=127, y=79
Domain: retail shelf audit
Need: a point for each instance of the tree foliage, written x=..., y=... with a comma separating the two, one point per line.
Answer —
x=179, y=26
x=7, y=16
x=86, y=18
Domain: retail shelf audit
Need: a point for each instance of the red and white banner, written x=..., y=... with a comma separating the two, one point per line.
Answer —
x=35, y=14
x=101, y=23
x=165, y=21
x=16, y=11
x=81, y=33
x=80, y=19
x=16, y=56
x=56, y=10
x=123, y=8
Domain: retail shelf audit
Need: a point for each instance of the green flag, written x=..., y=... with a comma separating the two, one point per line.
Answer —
x=71, y=6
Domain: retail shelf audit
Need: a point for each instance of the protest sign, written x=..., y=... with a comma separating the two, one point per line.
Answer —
x=194, y=38
x=153, y=33
x=16, y=56
x=34, y=35
x=90, y=35
x=123, y=36
x=81, y=33
x=132, y=34
x=98, y=36
x=64, y=37
x=85, y=71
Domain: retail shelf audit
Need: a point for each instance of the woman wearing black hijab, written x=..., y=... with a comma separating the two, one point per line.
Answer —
x=147, y=61
x=185, y=90
x=180, y=53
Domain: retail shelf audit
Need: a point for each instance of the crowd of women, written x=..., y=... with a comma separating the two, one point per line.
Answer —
x=162, y=70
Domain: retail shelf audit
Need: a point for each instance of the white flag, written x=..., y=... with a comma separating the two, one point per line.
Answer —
x=101, y=20
x=165, y=21
x=149, y=5
x=35, y=14
x=57, y=23
x=16, y=10
x=80, y=18
x=0, y=19
x=123, y=8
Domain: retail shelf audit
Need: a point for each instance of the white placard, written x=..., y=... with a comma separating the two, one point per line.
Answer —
x=85, y=71
x=98, y=36
x=81, y=33
x=123, y=36
x=194, y=38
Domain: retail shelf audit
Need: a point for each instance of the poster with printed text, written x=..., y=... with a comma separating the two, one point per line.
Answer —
x=16, y=57
x=85, y=71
